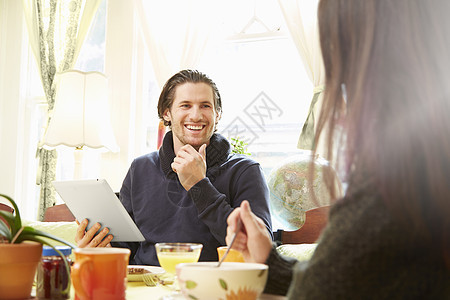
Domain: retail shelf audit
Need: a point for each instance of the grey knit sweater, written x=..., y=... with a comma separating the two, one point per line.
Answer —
x=362, y=254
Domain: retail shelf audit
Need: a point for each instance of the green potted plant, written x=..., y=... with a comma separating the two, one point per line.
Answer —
x=20, y=252
x=239, y=146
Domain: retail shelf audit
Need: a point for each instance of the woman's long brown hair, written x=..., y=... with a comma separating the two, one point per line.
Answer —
x=393, y=57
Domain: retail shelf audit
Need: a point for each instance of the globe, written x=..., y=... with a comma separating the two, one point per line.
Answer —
x=290, y=196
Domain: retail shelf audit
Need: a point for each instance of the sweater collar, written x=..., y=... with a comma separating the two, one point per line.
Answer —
x=217, y=151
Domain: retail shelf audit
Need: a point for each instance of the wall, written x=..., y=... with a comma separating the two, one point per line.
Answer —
x=10, y=49
x=15, y=114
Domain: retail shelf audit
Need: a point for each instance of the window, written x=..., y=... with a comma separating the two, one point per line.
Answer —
x=264, y=87
x=92, y=54
x=263, y=84
x=265, y=93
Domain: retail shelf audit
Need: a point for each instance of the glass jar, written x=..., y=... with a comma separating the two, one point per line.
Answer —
x=52, y=281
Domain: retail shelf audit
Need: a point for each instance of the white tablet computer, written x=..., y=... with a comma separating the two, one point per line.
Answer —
x=94, y=200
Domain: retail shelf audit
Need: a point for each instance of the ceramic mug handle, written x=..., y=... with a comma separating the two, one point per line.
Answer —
x=86, y=267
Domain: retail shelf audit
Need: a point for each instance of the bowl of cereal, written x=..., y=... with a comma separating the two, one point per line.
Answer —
x=232, y=280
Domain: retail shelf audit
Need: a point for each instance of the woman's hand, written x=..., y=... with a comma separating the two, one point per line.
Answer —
x=88, y=239
x=252, y=240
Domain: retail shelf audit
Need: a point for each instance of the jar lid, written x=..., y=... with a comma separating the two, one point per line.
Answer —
x=49, y=251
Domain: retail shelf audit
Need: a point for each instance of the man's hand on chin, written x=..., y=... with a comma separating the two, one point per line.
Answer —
x=190, y=165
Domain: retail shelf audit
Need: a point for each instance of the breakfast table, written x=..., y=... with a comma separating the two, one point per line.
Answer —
x=137, y=290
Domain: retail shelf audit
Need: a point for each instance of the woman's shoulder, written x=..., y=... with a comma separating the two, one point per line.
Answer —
x=361, y=202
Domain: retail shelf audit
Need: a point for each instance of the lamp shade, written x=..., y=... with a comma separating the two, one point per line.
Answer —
x=80, y=116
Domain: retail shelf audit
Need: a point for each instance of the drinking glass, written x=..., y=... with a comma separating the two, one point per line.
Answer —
x=172, y=254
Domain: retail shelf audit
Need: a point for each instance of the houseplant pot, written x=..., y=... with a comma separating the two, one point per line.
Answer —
x=20, y=252
x=18, y=264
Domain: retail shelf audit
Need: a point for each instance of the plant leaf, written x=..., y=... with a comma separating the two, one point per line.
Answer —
x=239, y=146
x=17, y=220
x=4, y=231
x=9, y=217
x=16, y=236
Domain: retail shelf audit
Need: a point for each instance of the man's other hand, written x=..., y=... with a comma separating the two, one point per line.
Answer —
x=88, y=239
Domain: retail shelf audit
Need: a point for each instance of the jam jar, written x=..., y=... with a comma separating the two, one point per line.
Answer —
x=52, y=281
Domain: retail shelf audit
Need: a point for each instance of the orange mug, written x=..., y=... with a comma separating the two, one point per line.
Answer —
x=100, y=273
x=233, y=255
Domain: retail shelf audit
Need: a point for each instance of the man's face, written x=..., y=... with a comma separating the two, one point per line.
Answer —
x=192, y=115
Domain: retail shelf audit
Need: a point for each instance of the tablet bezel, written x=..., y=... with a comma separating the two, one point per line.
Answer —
x=93, y=199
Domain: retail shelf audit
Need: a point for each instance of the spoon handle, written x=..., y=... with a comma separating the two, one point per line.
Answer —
x=238, y=228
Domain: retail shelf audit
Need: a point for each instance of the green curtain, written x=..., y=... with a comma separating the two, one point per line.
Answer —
x=306, y=140
x=56, y=31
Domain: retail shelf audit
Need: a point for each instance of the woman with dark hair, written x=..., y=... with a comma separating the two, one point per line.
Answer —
x=389, y=236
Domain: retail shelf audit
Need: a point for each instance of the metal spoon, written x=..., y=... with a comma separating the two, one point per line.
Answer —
x=238, y=228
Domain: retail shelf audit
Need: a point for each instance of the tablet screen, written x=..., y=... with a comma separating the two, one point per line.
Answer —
x=93, y=199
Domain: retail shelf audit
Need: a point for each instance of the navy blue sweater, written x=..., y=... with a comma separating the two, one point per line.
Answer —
x=165, y=212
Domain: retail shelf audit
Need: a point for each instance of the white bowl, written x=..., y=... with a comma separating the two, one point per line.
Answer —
x=203, y=280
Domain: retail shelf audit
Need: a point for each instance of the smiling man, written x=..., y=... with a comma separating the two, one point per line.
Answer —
x=185, y=191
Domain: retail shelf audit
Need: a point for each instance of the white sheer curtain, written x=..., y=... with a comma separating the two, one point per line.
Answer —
x=176, y=33
x=301, y=19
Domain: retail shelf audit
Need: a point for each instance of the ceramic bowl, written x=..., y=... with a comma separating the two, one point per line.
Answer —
x=232, y=280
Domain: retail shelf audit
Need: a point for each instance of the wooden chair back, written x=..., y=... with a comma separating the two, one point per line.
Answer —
x=315, y=222
x=58, y=213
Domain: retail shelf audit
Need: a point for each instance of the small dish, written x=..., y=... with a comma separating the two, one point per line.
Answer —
x=136, y=272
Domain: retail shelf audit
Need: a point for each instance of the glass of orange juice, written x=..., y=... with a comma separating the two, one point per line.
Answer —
x=172, y=254
x=233, y=255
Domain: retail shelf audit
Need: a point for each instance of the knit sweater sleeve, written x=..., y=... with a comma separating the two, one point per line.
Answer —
x=214, y=207
x=363, y=253
x=280, y=273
